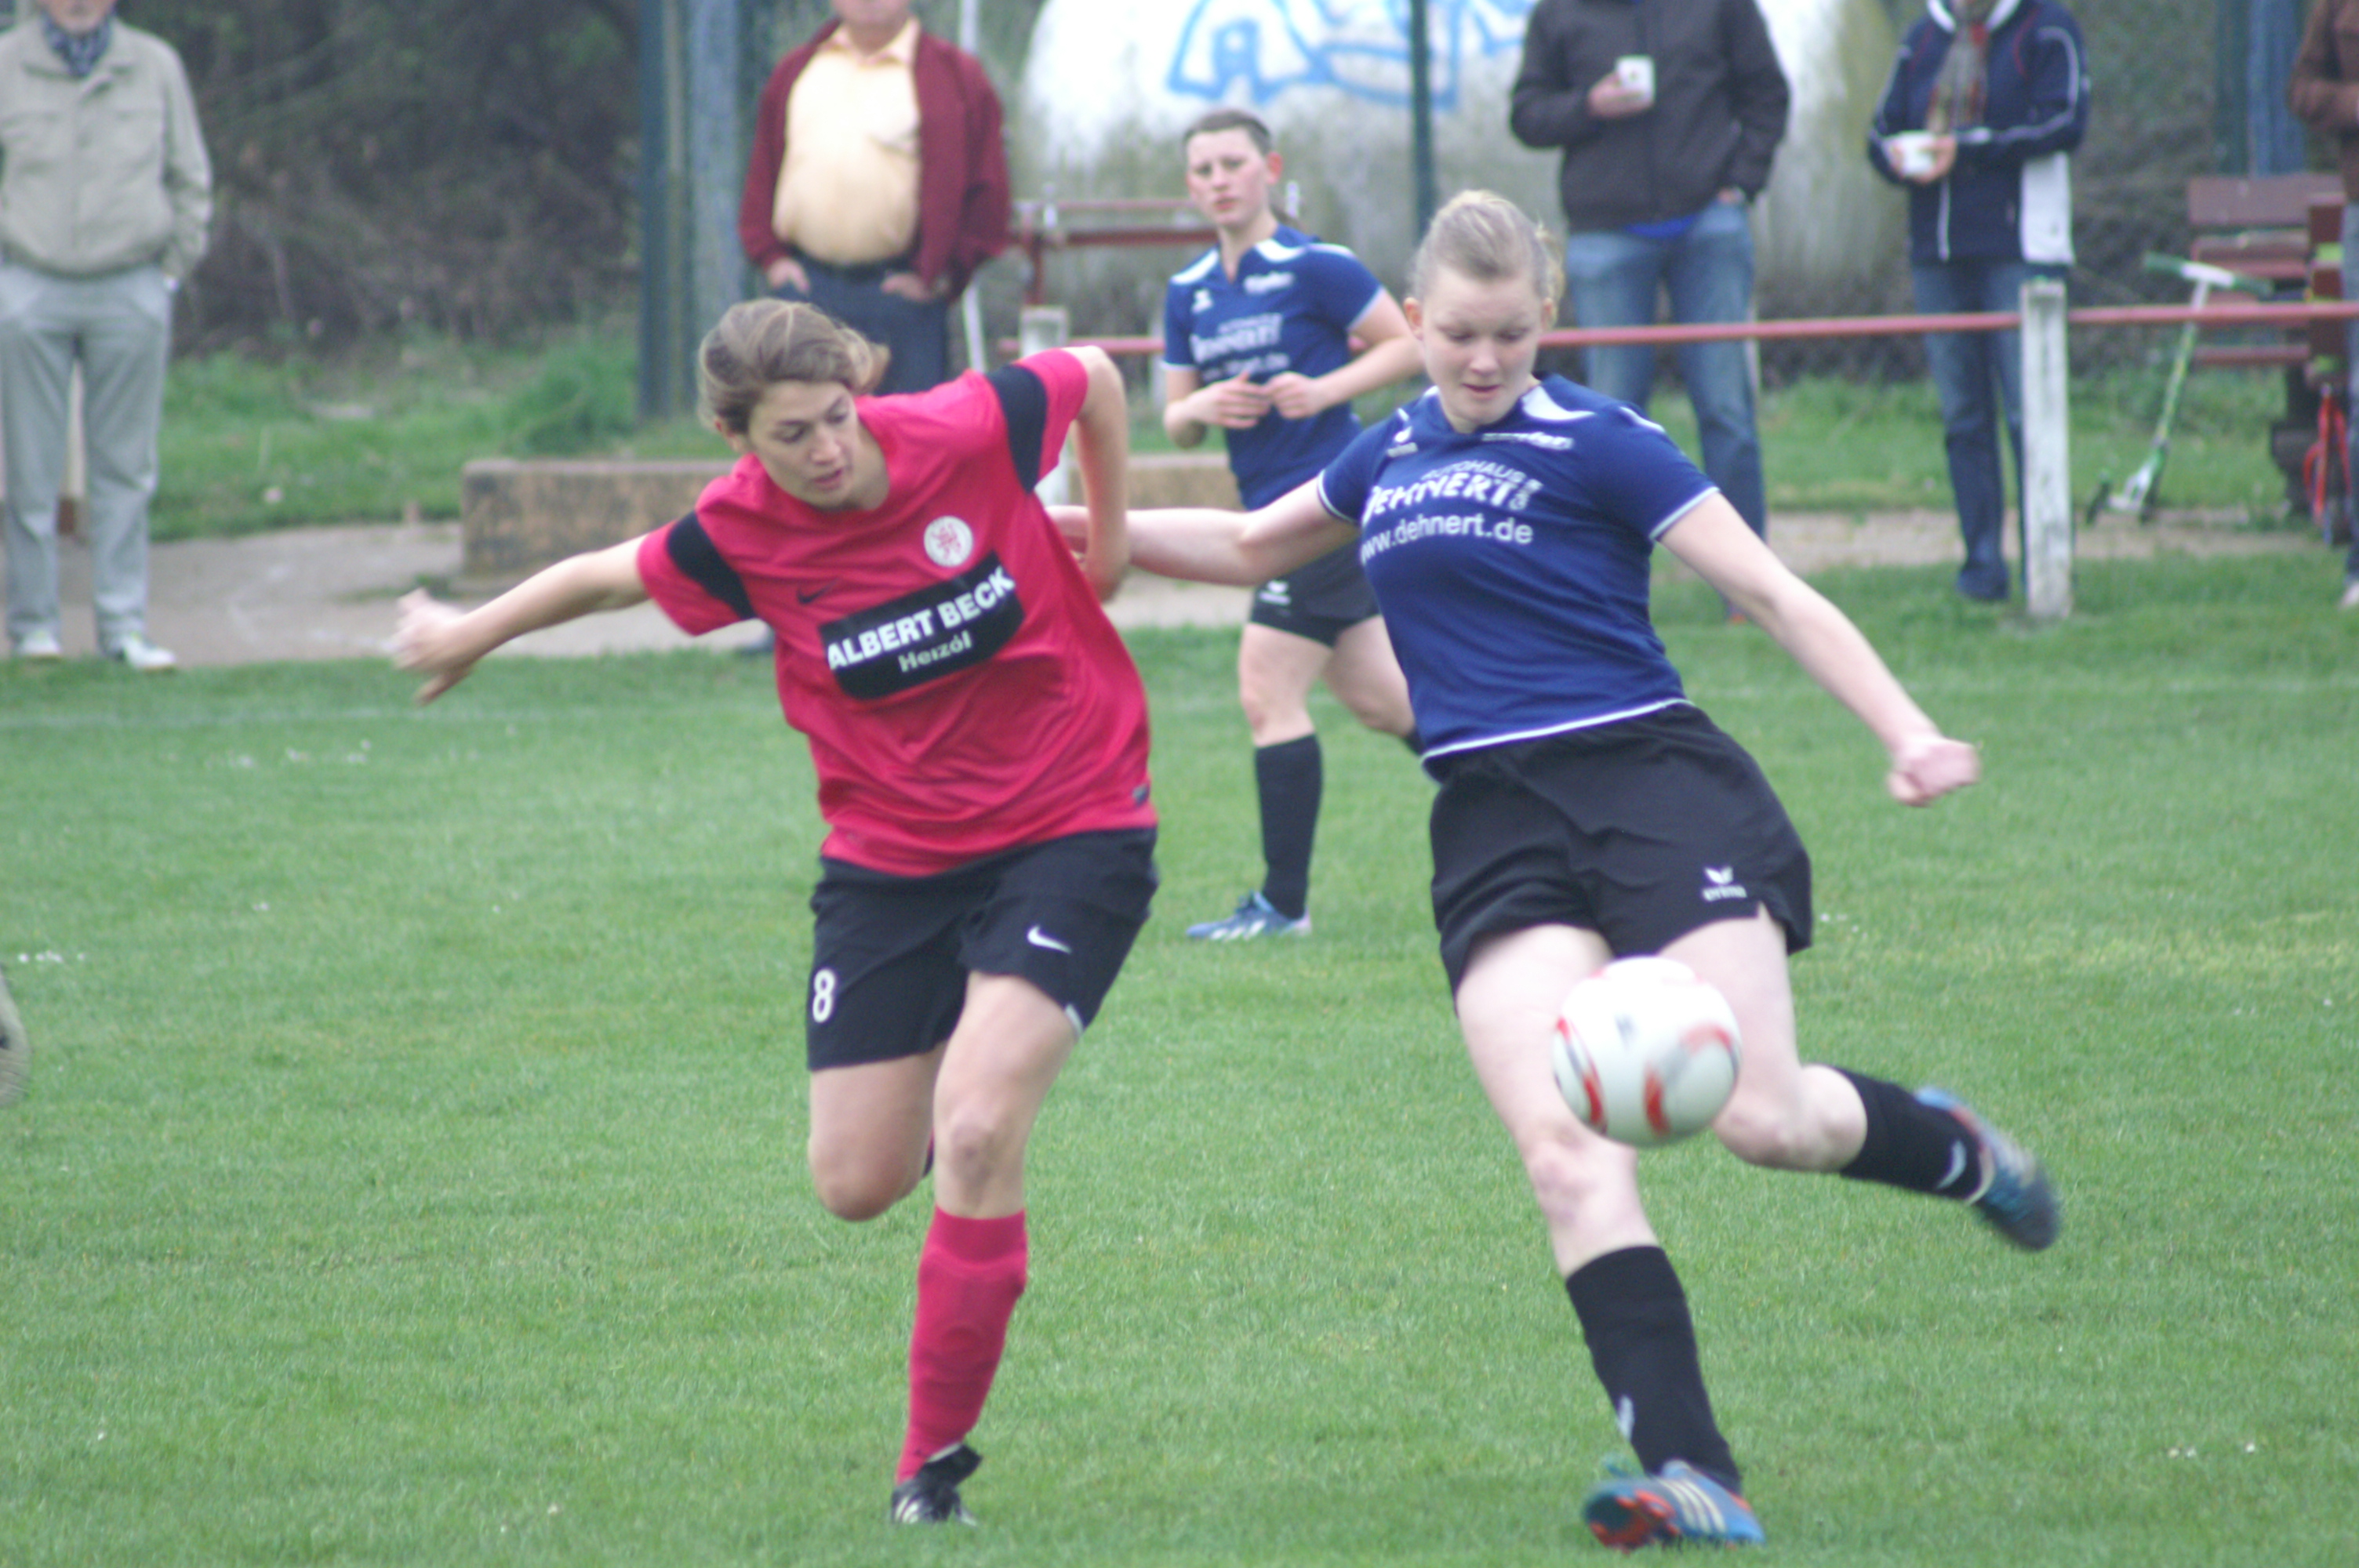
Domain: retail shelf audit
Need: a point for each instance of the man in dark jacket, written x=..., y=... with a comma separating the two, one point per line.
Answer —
x=1668, y=113
x=1987, y=100
x=877, y=183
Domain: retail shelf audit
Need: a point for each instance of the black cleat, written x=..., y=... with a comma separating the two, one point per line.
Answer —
x=2016, y=1195
x=930, y=1497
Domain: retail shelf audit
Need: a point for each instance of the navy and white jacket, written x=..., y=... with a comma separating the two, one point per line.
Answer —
x=2009, y=197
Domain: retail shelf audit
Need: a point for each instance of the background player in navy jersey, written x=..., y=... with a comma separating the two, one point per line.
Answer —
x=1257, y=342
x=1589, y=810
x=989, y=857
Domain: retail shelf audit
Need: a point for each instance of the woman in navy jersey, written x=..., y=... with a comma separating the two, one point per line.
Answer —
x=1258, y=335
x=980, y=738
x=1588, y=810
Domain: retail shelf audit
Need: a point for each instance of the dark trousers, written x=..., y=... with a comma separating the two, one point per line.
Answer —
x=916, y=333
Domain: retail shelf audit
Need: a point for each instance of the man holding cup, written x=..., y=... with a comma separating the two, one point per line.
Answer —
x=1668, y=113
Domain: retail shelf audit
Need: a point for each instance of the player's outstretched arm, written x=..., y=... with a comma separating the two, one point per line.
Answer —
x=443, y=642
x=1240, y=548
x=1925, y=763
x=1102, y=443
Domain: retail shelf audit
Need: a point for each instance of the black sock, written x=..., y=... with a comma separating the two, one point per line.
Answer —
x=1290, y=776
x=1641, y=1340
x=1911, y=1145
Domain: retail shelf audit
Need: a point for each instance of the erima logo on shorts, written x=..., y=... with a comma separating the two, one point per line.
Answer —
x=954, y=624
x=1720, y=883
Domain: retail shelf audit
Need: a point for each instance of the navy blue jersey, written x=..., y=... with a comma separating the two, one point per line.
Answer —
x=1290, y=308
x=1511, y=562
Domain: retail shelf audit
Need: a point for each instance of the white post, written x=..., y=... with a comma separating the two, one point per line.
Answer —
x=2046, y=454
x=1046, y=326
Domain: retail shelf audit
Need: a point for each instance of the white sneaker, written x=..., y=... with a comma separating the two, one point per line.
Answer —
x=143, y=655
x=42, y=646
x=2350, y=599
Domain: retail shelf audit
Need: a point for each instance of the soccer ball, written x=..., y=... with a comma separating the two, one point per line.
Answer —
x=1644, y=1051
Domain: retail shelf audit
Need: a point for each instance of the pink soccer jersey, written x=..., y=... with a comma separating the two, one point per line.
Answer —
x=961, y=688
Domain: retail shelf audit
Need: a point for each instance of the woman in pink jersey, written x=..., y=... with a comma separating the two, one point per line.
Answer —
x=980, y=736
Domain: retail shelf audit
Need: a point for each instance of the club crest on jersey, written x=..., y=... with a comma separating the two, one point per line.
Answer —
x=948, y=542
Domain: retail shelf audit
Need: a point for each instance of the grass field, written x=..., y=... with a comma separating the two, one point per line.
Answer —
x=410, y=1173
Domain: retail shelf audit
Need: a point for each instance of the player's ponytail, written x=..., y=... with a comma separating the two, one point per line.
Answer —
x=1482, y=235
x=761, y=342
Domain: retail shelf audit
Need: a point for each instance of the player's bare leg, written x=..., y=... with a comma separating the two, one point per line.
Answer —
x=1009, y=1044
x=869, y=1129
x=1367, y=678
x=1587, y=1188
x=1633, y=1310
x=1783, y=1114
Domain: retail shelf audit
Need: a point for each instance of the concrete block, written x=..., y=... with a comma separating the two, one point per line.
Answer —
x=518, y=516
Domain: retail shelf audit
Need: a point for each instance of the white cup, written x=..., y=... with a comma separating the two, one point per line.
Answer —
x=1637, y=72
x=1911, y=152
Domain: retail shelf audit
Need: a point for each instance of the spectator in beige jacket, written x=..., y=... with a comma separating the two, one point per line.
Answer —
x=105, y=191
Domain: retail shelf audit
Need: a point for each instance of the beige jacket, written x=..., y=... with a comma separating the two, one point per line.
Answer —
x=103, y=173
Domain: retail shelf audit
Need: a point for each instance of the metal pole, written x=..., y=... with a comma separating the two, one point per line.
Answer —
x=659, y=371
x=1048, y=327
x=716, y=163
x=2046, y=454
x=970, y=305
x=1421, y=113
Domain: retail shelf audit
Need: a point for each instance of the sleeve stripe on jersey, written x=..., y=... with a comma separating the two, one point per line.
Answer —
x=694, y=553
x=1024, y=403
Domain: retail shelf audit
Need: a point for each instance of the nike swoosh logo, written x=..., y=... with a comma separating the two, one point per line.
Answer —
x=802, y=598
x=1957, y=1167
x=1039, y=938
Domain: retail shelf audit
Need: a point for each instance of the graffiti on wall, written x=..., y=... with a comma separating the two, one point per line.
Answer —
x=1258, y=49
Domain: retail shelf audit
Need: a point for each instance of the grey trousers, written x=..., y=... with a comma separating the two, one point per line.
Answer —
x=119, y=327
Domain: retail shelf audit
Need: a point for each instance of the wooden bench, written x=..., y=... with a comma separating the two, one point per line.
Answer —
x=2272, y=228
x=2285, y=229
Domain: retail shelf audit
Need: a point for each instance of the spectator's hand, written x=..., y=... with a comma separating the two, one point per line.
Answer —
x=1294, y=396
x=1613, y=99
x=1235, y=404
x=1929, y=766
x=909, y=286
x=788, y=273
x=1945, y=159
x=425, y=640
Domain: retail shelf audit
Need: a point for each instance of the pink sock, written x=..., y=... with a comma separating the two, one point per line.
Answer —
x=969, y=1276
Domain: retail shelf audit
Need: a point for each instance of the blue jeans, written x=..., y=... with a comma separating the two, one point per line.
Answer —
x=1977, y=375
x=1613, y=279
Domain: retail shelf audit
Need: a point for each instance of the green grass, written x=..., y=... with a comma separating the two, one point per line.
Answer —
x=250, y=446
x=411, y=1168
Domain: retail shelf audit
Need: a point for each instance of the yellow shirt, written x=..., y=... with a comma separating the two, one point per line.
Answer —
x=848, y=189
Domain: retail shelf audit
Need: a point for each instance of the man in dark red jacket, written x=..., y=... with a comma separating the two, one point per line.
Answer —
x=878, y=182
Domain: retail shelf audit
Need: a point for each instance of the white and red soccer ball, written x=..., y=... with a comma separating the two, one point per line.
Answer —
x=1644, y=1051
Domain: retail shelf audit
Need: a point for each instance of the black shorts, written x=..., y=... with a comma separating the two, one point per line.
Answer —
x=890, y=954
x=1641, y=831
x=1321, y=601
